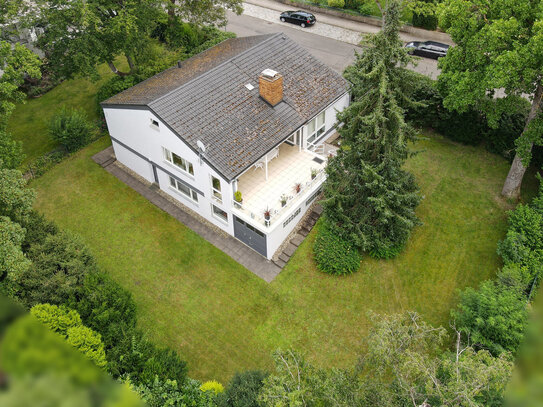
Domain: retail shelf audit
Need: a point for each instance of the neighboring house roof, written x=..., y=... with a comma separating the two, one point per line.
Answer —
x=206, y=98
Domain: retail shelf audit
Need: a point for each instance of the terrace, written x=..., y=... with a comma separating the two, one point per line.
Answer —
x=288, y=167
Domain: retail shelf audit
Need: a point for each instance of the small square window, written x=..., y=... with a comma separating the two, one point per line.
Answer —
x=154, y=122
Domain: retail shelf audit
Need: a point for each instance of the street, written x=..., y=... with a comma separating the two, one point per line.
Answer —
x=337, y=54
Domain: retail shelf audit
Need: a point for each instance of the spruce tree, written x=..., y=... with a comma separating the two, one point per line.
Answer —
x=370, y=199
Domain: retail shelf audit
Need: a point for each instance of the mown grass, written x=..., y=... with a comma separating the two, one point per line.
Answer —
x=221, y=318
x=30, y=120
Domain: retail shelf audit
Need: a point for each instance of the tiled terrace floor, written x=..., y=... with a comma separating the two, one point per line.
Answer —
x=289, y=168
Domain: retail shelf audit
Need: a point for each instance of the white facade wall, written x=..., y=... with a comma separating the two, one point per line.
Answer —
x=134, y=129
x=330, y=116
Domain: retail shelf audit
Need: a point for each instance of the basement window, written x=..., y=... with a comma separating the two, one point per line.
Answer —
x=219, y=213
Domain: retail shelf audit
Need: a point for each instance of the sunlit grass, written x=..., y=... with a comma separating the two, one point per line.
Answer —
x=221, y=318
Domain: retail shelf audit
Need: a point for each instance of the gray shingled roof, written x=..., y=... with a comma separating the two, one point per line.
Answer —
x=206, y=99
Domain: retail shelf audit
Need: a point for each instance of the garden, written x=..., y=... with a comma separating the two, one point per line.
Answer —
x=436, y=264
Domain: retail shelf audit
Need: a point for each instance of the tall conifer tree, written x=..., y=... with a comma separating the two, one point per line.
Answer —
x=369, y=199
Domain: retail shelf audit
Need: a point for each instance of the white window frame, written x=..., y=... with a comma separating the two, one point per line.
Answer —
x=181, y=188
x=219, y=217
x=216, y=194
x=318, y=129
x=185, y=166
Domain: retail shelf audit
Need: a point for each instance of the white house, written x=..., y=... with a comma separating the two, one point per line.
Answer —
x=247, y=115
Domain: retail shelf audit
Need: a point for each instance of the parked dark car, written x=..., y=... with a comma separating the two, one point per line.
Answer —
x=428, y=49
x=302, y=18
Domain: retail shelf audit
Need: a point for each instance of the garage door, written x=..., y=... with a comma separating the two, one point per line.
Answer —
x=252, y=237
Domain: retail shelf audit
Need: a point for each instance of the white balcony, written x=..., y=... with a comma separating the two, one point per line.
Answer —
x=291, y=167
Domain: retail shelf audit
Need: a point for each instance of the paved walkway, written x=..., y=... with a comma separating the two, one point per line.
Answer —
x=245, y=256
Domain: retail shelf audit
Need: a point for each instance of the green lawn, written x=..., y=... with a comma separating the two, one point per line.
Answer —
x=29, y=122
x=221, y=318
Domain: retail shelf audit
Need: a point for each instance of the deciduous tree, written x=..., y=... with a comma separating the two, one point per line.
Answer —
x=498, y=53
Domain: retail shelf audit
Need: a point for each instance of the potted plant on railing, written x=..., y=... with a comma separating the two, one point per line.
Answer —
x=238, y=199
x=267, y=216
x=283, y=200
x=313, y=173
x=297, y=187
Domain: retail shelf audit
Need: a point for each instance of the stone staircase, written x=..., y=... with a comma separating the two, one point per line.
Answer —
x=305, y=227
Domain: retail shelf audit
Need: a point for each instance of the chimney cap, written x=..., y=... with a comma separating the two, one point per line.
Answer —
x=269, y=73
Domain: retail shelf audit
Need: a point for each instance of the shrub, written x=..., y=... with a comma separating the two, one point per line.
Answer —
x=514, y=277
x=354, y=4
x=60, y=266
x=467, y=128
x=243, y=390
x=106, y=307
x=67, y=323
x=425, y=92
x=11, y=151
x=29, y=348
x=37, y=230
x=42, y=164
x=159, y=393
x=494, y=317
x=140, y=359
x=212, y=386
x=426, y=22
x=336, y=3
x=334, y=254
x=71, y=129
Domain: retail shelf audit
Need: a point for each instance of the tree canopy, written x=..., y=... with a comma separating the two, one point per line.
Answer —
x=498, y=53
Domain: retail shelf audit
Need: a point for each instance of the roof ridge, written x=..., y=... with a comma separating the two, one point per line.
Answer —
x=271, y=36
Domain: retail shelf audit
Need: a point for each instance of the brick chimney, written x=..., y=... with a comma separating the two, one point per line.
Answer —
x=270, y=84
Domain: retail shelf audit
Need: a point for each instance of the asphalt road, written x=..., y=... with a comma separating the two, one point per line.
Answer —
x=337, y=54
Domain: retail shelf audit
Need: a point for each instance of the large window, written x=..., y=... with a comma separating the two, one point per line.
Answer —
x=183, y=189
x=316, y=127
x=219, y=213
x=179, y=162
x=216, y=189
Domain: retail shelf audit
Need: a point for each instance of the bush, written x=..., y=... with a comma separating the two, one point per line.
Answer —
x=424, y=91
x=501, y=140
x=60, y=266
x=106, y=307
x=37, y=230
x=141, y=360
x=11, y=151
x=243, y=389
x=67, y=323
x=159, y=393
x=354, y=4
x=494, y=317
x=71, y=129
x=426, y=22
x=336, y=3
x=44, y=163
x=212, y=386
x=334, y=254
x=467, y=128
x=470, y=127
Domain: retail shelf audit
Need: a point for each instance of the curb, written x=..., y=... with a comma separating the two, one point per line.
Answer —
x=376, y=22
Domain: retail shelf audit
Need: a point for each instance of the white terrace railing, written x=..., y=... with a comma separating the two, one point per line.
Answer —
x=292, y=200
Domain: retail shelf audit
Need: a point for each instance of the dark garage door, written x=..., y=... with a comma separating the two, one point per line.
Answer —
x=252, y=237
